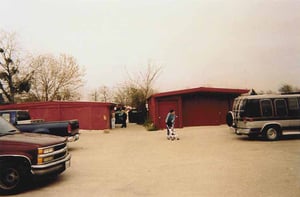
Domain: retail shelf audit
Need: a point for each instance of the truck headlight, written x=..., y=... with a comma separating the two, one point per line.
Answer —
x=42, y=160
x=45, y=151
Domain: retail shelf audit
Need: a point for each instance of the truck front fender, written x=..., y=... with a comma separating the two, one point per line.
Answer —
x=15, y=158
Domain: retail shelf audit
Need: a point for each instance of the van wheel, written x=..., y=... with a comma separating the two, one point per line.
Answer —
x=272, y=133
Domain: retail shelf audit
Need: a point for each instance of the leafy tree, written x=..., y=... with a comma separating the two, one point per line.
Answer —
x=55, y=78
x=13, y=82
x=286, y=88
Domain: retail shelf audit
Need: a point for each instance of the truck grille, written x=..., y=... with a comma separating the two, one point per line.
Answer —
x=52, y=153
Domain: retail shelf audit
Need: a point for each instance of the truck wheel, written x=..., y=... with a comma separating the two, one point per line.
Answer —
x=272, y=133
x=11, y=178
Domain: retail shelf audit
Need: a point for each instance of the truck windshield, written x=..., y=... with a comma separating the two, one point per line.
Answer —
x=6, y=128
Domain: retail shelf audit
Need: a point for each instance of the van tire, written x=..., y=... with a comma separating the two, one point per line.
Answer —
x=272, y=133
x=229, y=118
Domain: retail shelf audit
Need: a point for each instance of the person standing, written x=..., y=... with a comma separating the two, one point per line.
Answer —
x=170, y=121
x=113, y=119
x=124, y=119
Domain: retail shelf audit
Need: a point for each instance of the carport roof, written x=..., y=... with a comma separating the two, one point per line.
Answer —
x=201, y=90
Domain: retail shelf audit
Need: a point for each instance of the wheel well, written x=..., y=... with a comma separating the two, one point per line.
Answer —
x=274, y=125
x=22, y=162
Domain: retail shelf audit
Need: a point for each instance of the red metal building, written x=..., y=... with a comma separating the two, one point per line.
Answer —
x=91, y=115
x=194, y=107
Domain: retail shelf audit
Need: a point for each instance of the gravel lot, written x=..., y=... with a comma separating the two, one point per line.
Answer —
x=206, y=161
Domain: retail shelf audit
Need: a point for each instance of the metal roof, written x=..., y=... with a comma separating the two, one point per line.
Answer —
x=201, y=90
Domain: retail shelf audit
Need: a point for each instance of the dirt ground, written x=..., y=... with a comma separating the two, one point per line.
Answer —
x=206, y=161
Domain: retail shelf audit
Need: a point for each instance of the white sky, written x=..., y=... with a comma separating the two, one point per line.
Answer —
x=219, y=43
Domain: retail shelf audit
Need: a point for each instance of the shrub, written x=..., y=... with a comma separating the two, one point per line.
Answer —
x=150, y=126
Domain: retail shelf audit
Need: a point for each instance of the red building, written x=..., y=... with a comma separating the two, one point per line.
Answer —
x=194, y=107
x=91, y=115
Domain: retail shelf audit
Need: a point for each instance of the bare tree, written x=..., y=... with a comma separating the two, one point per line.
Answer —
x=12, y=81
x=103, y=94
x=56, y=78
x=94, y=95
x=145, y=79
x=139, y=87
x=121, y=94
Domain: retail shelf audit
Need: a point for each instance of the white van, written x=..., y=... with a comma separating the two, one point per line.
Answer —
x=266, y=115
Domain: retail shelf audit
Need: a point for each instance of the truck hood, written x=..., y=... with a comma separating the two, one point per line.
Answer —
x=32, y=138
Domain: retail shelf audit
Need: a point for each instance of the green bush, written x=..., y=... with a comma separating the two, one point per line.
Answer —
x=150, y=126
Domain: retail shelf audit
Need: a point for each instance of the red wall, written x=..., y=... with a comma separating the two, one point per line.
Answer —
x=91, y=115
x=193, y=109
x=204, y=110
x=164, y=108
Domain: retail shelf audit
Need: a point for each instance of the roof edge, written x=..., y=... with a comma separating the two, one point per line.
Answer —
x=201, y=90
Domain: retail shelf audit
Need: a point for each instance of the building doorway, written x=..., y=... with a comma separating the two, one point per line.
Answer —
x=163, y=109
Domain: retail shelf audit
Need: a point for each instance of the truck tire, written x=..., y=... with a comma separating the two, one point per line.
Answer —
x=272, y=133
x=11, y=178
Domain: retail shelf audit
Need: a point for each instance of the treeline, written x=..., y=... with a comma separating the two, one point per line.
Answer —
x=48, y=77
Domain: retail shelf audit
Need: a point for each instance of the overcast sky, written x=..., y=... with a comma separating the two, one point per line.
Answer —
x=216, y=43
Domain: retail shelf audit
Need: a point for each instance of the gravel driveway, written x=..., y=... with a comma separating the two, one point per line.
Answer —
x=206, y=161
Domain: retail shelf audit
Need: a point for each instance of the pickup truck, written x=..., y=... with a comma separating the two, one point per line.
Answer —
x=21, y=120
x=27, y=155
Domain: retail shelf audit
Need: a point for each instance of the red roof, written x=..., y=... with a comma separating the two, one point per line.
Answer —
x=54, y=103
x=202, y=90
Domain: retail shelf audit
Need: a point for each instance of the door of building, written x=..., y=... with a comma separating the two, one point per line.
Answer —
x=163, y=109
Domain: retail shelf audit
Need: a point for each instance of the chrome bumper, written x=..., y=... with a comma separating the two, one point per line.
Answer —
x=73, y=138
x=52, y=168
x=242, y=131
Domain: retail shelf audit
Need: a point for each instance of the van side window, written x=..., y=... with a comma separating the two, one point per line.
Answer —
x=266, y=108
x=281, y=109
x=293, y=107
x=253, y=109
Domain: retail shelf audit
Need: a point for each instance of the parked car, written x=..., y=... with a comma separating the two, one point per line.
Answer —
x=22, y=120
x=24, y=155
x=268, y=115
